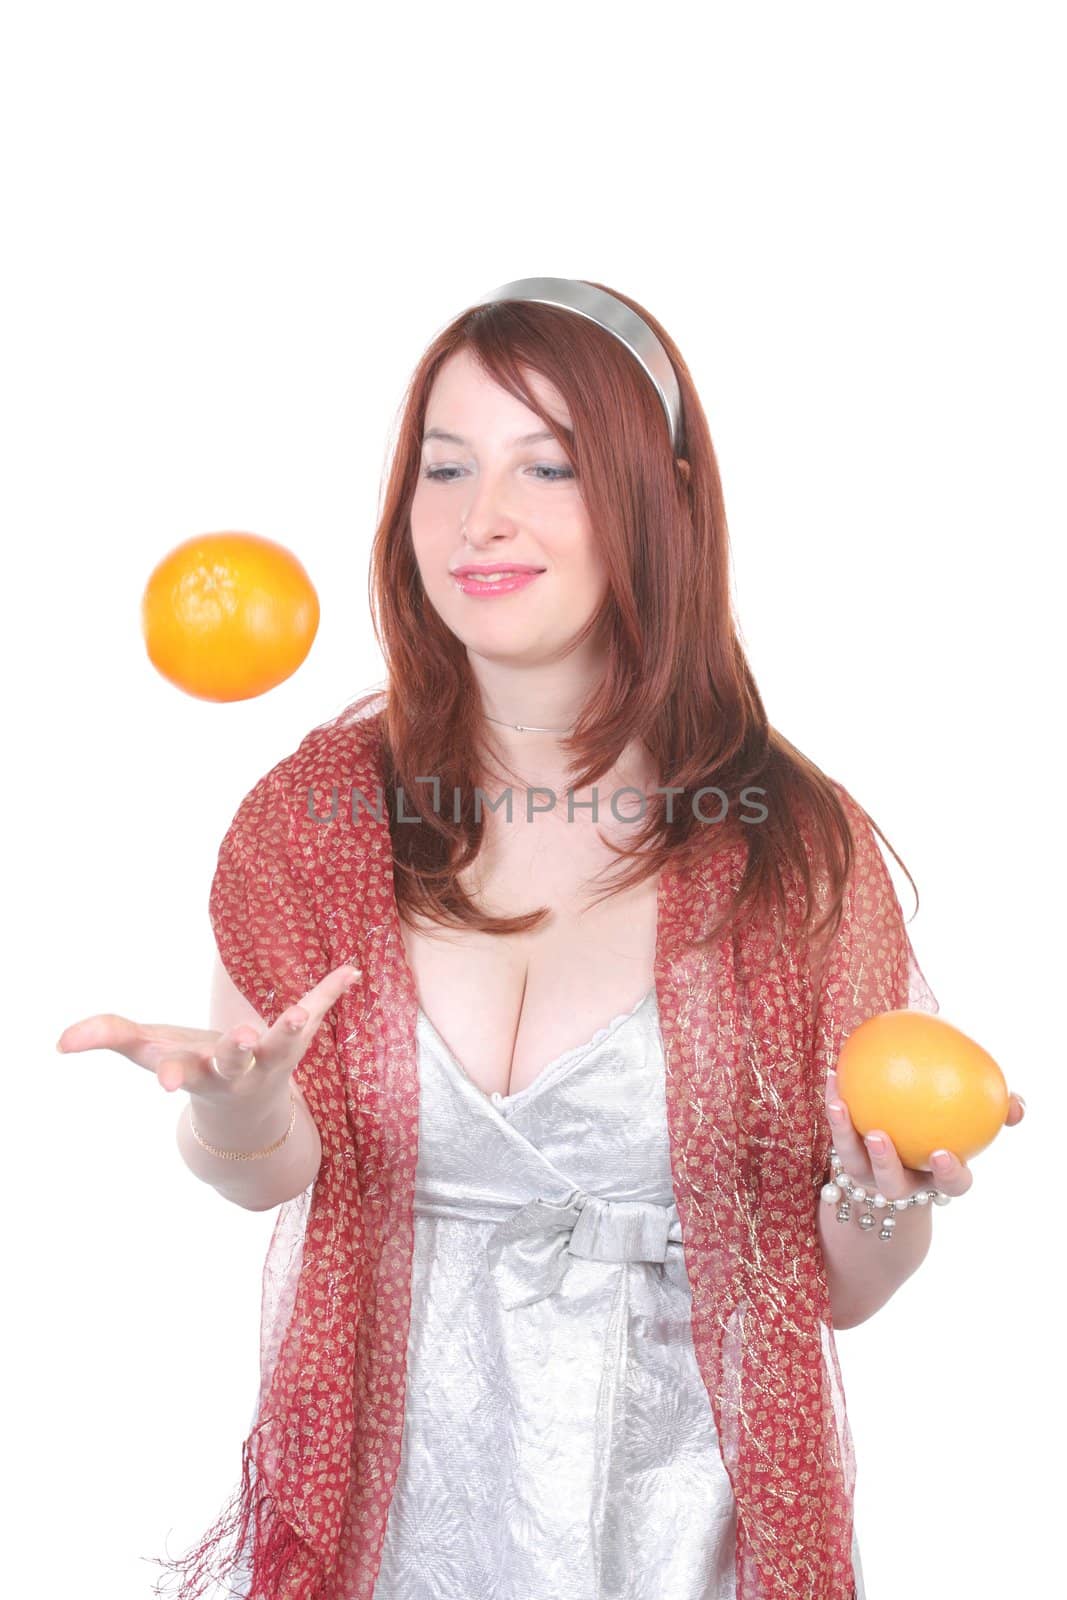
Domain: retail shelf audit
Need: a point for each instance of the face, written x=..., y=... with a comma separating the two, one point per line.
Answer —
x=489, y=495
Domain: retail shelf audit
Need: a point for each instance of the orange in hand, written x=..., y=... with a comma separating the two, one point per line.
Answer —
x=924, y=1083
x=227, y=616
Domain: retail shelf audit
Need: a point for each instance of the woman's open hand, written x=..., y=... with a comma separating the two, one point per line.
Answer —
x=181, y=1057
x=883, y=1169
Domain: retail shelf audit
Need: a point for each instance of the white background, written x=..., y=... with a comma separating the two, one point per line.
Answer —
x=230, y=230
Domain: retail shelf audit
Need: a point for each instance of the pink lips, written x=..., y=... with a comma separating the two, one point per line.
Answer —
x=516, y=578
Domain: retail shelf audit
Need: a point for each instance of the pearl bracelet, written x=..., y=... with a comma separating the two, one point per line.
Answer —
x=246, y=1155
x=842, y=1187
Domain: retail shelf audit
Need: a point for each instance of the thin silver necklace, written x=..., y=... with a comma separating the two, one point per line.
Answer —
x=523, y=727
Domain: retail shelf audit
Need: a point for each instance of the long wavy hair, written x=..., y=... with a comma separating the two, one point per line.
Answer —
x=675, y=677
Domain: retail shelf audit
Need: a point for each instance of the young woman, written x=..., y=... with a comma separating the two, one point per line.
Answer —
x=549, y=1306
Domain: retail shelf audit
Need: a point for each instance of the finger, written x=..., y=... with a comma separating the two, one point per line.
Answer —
x=897, y=1181
x=234, y=1051
x=335, y=984
x=308, y=1013
x=847, y=1141
x=1016, y=1110
x=140, y=1042
x=891, y=1177
x=197, y=1071
x=104, y=1031
x=953, y=1177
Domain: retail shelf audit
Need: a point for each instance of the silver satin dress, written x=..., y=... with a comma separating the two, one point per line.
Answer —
x=559, y=1443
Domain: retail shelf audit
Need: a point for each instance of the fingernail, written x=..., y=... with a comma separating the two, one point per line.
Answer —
x=837, y=1113
x=941, y=1161
x=875, y=1142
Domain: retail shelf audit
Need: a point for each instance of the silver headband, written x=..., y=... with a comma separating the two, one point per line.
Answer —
x=616, y=317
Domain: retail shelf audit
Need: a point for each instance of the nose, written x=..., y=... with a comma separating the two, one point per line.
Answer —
x=484, y=516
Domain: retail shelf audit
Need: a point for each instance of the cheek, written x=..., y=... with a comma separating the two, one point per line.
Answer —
x=579, y=574
x=588, y=567
x=430, y=538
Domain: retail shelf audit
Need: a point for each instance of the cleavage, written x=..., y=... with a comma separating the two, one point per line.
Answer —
x=565, y=1028
x=495, y=1004
x=566, y=1057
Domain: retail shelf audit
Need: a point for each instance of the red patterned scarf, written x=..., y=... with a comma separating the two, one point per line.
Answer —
x=748, y=1044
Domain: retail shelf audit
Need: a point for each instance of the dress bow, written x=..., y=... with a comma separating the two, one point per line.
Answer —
x=531, y=1250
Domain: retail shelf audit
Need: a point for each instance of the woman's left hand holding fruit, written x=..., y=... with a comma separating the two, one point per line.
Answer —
x=882, y=1169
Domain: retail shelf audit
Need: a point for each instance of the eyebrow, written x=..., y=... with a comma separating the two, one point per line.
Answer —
x=525, y=438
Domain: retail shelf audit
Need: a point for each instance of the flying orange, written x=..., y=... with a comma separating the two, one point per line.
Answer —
x=227, y=616
x=924, y=1083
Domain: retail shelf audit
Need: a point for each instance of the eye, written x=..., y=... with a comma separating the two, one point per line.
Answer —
x=558, y=474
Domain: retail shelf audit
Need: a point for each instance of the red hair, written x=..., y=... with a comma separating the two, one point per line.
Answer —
x=676, y=675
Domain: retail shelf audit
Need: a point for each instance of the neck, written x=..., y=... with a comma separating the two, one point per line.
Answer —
x=527, y=713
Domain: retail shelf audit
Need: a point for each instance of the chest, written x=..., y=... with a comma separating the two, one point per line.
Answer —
x=506, y=1005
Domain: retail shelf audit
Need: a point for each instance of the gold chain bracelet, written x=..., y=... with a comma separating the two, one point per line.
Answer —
x=247, y=1155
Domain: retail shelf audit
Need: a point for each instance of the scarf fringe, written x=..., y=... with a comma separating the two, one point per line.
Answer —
x=283, y=1566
